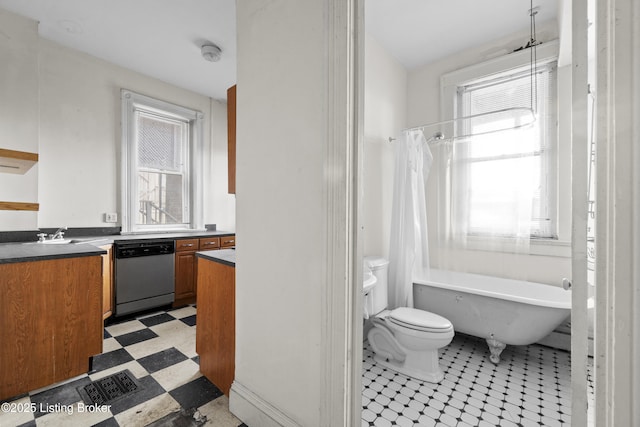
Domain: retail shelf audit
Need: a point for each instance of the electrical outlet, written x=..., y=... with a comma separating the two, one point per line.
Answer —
x=111, y=217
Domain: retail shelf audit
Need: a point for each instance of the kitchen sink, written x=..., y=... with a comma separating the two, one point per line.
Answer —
x=57, y=241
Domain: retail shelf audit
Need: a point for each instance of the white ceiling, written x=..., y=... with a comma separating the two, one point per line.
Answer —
x=417, y=32
x=162, y=38
x=159, y=38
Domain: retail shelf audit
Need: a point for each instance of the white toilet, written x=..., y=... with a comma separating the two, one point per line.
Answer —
x=405, y=340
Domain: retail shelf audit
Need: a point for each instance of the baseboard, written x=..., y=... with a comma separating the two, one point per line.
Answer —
x=254, y=411
x=562, y=341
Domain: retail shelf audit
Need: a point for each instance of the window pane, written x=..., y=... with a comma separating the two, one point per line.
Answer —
x=501, y=194
x=160, y=197
x=159, y=143
x=502, y=177
x=505, y=143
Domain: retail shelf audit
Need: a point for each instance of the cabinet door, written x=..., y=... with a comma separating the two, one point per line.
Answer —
x=50, y=321
x=185, y=292
x=215, y=334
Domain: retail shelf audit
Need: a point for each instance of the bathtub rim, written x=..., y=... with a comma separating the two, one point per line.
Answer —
x=496, y=293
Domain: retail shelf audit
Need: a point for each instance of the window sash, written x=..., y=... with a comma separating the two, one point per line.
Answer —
x=159, y=207
x=540, y=143
x=187, y=164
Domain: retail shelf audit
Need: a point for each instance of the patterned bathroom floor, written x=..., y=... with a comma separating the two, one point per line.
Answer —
x=531, y=386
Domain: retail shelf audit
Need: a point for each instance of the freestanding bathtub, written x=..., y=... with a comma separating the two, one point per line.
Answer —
x=503, y=311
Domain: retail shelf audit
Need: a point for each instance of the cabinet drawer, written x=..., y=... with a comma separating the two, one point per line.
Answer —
x=209, y=243
x=227, y=241
x=187, y=245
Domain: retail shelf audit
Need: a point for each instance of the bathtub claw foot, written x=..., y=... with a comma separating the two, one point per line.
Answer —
x=496, y=348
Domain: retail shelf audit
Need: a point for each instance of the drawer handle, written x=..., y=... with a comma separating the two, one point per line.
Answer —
x=210, y=243
x=187, y=245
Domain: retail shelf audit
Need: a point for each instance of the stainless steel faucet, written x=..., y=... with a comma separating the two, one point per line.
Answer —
x=59, y=234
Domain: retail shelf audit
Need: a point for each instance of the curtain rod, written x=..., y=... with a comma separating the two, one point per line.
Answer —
x=473, y=116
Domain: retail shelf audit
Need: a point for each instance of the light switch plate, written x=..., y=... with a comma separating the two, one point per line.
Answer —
x=111, y=217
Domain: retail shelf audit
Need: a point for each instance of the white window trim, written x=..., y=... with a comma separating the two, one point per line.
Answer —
x=128, y=178
x=546, y=52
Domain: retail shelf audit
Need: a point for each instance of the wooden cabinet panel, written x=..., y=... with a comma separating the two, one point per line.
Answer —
x=228, y=241
x=215, y=334
x=107, y=282
x=209, y=243
x=186, y=268
x=231, y=138
x=185, y=282
x=187, y=245
x=50, y=321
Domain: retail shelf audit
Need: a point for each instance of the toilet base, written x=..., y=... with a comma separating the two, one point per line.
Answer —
x=433, y=375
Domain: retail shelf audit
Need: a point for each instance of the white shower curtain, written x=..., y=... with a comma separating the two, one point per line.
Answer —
x=409, y=251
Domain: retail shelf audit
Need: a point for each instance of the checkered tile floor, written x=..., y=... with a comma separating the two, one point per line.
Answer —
x=531, y=386
x=159, y=350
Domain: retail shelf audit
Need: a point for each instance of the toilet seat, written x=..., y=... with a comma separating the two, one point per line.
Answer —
x=419, y=320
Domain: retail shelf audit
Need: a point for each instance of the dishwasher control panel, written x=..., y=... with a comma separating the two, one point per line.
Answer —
x=131, y=250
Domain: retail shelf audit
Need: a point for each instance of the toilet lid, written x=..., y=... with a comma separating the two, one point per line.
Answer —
x=419, y=319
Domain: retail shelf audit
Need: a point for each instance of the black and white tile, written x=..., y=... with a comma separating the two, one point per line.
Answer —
x=531, y=386
x=159, y=350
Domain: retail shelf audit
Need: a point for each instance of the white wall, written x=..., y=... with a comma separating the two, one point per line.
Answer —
x=385, y=115
x=79, y=137
x=18, y=114
x=551, y=262
x=279, y=209
x=295, y=195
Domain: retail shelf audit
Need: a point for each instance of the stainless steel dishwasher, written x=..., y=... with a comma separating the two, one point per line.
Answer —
x=144, y=275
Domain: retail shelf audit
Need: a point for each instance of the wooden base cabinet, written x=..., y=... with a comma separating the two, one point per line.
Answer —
x=215, y=335
x=50, y=321
x=185, y=270
x=186, y=267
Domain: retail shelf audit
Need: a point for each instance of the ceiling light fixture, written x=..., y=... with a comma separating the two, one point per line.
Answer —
x=211, y=52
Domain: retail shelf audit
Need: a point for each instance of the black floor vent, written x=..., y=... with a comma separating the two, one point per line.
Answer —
x=111, y=388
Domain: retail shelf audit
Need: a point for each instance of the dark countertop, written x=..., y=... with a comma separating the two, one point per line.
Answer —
x=87, y=245
x=25, y=252
x=222, y=256
x=158, y=236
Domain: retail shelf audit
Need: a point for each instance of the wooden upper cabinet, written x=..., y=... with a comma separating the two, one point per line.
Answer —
x=231, y=132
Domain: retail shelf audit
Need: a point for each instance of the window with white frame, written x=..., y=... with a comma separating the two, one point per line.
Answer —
x=509, y=155
x=503, y=166
x=161, y=166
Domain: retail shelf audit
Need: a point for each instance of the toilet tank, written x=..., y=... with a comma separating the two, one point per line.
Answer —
x=378, y=295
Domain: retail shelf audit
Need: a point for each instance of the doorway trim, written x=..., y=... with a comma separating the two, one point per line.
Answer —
x=617, y=355
x=342, y=299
